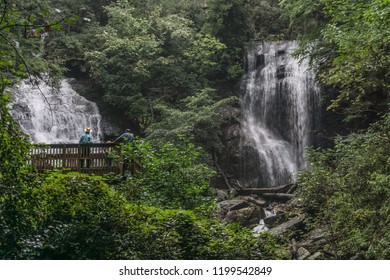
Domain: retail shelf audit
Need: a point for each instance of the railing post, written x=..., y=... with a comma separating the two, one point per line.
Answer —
x=63, y=156
x=79, y=158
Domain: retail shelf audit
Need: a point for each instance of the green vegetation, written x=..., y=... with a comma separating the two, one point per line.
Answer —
x=347, y=189
x=169, y=69
x=173, y=176
x=75, y=216
x=352, y=51
x=141, y=59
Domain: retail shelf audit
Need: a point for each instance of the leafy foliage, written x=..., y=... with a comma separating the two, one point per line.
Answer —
x=351, y=50
x=23, y=27
x=140, y=58
x=146, y=59
x=347, y=188
x=14, y=148
x=173, y=176
x=200, y=116
x=74, y=216
x=153, y=54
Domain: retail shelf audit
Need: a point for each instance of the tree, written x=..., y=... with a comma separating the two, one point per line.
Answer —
x=23, y=27
x=145, y=59
x=127, y=49
x=350, y=50
x=360, y=32
x=200, y=117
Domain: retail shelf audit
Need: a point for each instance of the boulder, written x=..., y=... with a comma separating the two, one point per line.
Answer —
x=274, y=220
x=256, y=201
x=244, y=211
x=221, y=194
x=315, y=256
x=315, y=239
x=303, y=253
x=246, y=216
x=286, y=226
x=227, y=205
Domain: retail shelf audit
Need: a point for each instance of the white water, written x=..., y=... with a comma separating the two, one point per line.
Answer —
x=51, y=115
x=280, y=103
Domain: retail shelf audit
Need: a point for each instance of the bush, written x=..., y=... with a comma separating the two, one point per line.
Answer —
x=173, y=176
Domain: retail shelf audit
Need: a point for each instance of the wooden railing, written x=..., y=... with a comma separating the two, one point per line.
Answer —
x=96, y=159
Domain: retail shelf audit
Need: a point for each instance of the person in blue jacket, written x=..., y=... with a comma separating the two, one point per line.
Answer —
x=86, y=138
x=126, y=137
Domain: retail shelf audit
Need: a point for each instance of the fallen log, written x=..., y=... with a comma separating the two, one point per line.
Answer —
x=277, y=196
x=260, y=191
x=292, y=189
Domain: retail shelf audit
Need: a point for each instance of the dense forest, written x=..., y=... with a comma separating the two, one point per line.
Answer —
x=169, y=70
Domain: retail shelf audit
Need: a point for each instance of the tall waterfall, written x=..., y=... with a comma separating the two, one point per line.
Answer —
x=280, y=105
x=54, y=115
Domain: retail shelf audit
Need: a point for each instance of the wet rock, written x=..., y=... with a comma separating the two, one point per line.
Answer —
x=246, y=211
x=303, y=253
x=272, y=221
x=290, y=224
x=256, y=201
x=228, y=205
x=245, y=216
x=260, y=61
x=221, y=195
x=72, y=81
x=315, y=239
x=315, y=256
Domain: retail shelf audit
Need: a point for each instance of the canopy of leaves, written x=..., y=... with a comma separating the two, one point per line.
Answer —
x=201, y=116
x=23, y=27
x=144, y=60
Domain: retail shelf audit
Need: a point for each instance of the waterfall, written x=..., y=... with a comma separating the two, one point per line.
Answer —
x=280, y=105
x=54, y=115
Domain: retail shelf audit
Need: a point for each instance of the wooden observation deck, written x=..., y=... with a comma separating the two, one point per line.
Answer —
x=95, y=159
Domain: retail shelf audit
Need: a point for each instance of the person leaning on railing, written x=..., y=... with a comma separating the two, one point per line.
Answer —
x=125, y=138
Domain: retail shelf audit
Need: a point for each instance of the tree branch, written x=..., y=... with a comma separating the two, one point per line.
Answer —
x=4, y=11
x=28, y=72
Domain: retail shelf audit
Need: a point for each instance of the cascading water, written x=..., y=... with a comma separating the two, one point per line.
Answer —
x=280, y=105
x=50, y=115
